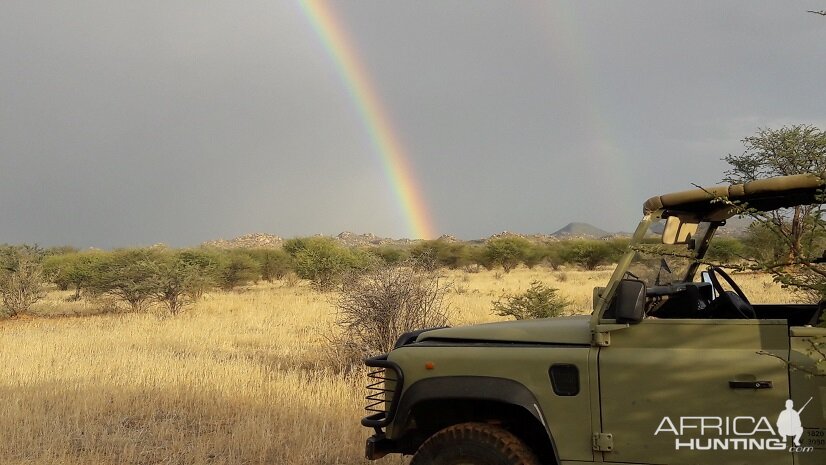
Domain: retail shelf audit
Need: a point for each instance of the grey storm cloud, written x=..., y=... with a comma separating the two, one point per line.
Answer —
x=132, y=123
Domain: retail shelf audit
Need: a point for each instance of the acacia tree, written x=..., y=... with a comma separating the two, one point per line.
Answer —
x=180, y=278
x=588, y=254
x=72, y=269
x=781, y=152
x=128, y=275
x=236, y=269
x=324, y=262
x=539, y=301
x=507, y=252
x=786, y=241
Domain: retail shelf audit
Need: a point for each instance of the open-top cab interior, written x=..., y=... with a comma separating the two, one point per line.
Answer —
x=666, y=257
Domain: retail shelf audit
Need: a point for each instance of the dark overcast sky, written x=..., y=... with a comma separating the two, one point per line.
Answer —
x=133, y=123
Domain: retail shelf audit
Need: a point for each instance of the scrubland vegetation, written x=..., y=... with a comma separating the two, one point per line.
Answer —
x=206, y=356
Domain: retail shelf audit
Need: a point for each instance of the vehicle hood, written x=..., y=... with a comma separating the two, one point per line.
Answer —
x=563, y=330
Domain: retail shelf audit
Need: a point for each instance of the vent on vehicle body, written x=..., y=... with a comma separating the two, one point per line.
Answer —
x=564, y=379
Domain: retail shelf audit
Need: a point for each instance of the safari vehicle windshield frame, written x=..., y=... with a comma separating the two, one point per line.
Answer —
x=712, y=206
x=695, y=247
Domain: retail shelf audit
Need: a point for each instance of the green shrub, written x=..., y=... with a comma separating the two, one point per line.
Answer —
x=552, y=255
x=391, y=255
x=586, y=253
x=507, y=252
x=726, y=250
x=60, y=250
x=72, y=270
x=616, y=249
x=126, y=274
x=139, y=277
x=273, y=263
x=323, y=261
x=539, y=301
x=236, y=268
x=181, y=278
x=762, y=244
x=440, y=252
x=534, y=255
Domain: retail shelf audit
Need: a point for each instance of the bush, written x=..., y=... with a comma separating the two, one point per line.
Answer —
x=362, y=260
x=763, y=245
x=60, y=250
x=140, y=277
x=552, y=255
x=324, y=262
x=72, y=270
x=182, y=277
x=616, y=249
x=534, y=255
x=392, y=255
x=440, y=252
x=128, y=275
x=378, y=306
x=208, y=264
x=55, y=270
x=507, y=252
x=726, y=250
x=273, y=263
x=236, y=268
x=587, y=253
x=539, y=301
x=21, y=278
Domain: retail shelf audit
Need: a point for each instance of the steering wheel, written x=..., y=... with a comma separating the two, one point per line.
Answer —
x=743, y=307
x=716, y=270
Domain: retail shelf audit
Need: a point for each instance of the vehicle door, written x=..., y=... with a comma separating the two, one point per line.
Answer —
x=808, y=379
x=689, y=391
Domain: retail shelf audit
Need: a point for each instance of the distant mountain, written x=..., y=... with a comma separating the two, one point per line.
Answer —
x=580, y=230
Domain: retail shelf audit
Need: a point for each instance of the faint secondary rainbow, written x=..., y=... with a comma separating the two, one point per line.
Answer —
x=393, y=158
x=613, y=170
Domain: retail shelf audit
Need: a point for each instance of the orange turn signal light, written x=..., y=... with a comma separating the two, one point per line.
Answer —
x=429, y=365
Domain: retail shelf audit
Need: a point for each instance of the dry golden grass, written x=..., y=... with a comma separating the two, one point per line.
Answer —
x=241, y=378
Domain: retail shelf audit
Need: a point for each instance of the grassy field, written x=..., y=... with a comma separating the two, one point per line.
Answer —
x=240, y=378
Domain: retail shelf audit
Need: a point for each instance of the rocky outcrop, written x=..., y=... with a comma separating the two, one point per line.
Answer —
x=248, y=241
x=351, y=239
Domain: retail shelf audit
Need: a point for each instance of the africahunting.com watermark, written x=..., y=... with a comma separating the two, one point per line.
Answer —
x=737, y=433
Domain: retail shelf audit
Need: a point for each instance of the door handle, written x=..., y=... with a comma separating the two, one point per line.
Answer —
x=750, y=384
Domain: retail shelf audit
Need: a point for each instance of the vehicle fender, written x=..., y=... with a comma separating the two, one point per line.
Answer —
x=483, y=388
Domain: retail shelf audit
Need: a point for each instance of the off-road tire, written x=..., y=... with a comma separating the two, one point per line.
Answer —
x=474, y=444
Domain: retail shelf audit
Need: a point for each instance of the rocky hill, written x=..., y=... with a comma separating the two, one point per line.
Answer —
x=350, y=239
x=247, y=241
x=580, y=230
x=270, y=241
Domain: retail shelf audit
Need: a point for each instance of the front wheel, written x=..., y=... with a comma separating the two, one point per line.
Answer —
x=474, y=444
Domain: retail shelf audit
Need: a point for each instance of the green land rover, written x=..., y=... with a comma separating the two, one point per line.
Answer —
x=673, y=366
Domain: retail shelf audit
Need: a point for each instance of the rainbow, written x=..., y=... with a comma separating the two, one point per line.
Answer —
x=395, y=162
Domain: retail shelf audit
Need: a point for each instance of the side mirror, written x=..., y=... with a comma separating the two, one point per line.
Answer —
x=629, y=301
